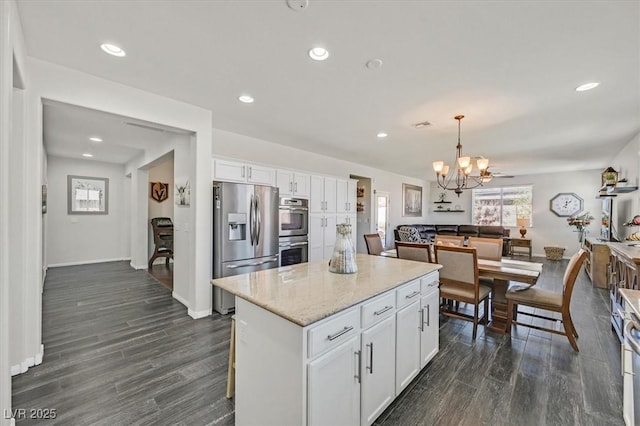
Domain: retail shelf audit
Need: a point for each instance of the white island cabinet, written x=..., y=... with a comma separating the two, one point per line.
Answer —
x=317, y=348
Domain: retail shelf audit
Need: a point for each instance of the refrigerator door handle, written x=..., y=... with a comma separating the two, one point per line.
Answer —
x=251, y=221
x=257, y=215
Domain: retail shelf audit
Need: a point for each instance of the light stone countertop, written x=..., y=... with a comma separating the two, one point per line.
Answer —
x=308, y=292
x=632, y=297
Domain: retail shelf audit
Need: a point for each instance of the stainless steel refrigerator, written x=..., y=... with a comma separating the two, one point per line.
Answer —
x=245, y=234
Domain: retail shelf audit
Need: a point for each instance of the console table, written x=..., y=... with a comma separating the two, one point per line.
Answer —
x=524, y=243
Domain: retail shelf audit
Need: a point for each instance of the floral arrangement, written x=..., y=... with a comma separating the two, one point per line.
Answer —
x=580, y=221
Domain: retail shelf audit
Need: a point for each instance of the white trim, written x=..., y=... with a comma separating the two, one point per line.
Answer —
x=40, y=355
x=180, y=299
x=138, y=267
x=199, y=314
x=87, y=262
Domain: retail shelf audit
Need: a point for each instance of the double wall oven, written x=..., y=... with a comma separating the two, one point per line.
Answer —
x=293, y=230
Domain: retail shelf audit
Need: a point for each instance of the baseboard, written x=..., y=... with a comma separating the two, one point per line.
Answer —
x=138, y=267
x=28, y=362
x=88, y=262
x=199, y=314
x=40, y=355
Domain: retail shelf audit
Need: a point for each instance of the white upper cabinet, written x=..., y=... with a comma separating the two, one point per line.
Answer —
x=233, y=171
x=293, y=184
x=346, y=196
x=323, y=194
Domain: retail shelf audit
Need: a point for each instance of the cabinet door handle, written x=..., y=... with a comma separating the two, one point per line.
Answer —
x=345, y=330
x=295, y=187
x=250, y=172
x=358, y=365
x=428, y=315
x=383, y=310
x=290, y=187
x=370, y=367
x=421, y=326
x=243, y=167
x=412, y=295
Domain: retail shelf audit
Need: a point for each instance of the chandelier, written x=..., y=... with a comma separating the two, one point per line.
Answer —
x=462, y=178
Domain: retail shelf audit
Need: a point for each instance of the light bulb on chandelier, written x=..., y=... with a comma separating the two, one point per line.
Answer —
x=462, y=179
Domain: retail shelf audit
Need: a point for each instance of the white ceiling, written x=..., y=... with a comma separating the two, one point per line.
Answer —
x=510, y=67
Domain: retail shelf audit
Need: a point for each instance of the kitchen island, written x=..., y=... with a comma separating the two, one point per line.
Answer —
x=314, y=347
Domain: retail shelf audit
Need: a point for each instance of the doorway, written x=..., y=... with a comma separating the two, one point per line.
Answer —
x=381, y=216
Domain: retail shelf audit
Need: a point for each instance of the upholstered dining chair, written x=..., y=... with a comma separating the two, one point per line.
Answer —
x=450, y=240
x=374, y=243
x=487, y=248
x=548, y=300
x=414, y=251
x=459, y=282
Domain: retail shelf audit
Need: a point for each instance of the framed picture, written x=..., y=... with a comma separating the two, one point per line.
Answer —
x=87, y=195
x=411, y=200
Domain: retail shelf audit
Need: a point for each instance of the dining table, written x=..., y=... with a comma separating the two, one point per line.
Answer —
x=507, y=274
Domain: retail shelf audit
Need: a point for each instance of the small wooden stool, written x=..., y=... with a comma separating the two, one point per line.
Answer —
x=231, y=372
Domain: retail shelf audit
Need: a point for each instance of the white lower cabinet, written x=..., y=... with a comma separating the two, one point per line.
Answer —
x=334, y=386
x=343, y=370
x=322, y=236
x=378, y=369
x=407, y=345
x=430, y=327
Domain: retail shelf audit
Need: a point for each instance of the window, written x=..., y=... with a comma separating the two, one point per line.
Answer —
x=509, y=206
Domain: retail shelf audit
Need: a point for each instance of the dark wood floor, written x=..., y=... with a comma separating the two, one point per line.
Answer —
x=120, y=350
x=163, y=273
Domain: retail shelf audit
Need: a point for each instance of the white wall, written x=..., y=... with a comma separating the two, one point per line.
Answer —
x=76, y=239
x=160, y=172
x=548, y=229
x=626, y=206
x=232, y=145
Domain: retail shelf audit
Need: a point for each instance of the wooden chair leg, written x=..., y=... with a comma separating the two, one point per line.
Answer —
x=510, y=309
x=486, y=311
x=568, y=330
x=573, y=326
x=475, y=321
x=231, y=372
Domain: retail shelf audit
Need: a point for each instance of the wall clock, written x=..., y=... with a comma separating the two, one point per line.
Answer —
x=566, y=204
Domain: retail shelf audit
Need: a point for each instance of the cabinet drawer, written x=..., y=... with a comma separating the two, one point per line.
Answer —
x=378, y=309
x=408, y=293
x=333, y=332
x=429, y=283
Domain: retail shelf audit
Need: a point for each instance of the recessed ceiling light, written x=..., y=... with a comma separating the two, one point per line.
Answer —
x=112, y=49
x=246, y=99
x=95, y=139
x=86, y=154
x=382, y=135
x=587, y=86
x=374, y=64
x=319, y=53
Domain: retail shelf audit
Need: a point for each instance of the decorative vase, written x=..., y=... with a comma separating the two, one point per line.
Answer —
x=343, y=259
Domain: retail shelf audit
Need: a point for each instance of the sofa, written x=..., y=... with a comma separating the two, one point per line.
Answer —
x=428, y=232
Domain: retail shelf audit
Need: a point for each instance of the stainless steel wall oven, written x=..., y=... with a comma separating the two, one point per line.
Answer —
x=294, y=217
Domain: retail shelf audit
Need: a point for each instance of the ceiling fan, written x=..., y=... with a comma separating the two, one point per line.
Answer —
x=487, y=175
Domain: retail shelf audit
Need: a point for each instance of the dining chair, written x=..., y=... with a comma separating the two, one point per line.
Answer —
x=374, y=243
x=548, y=300
x=414, y=251
x=451, y=240
x=459, y=281
x=487, y=248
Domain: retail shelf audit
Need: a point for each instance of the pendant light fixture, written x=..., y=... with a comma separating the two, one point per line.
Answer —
x=462, y=178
